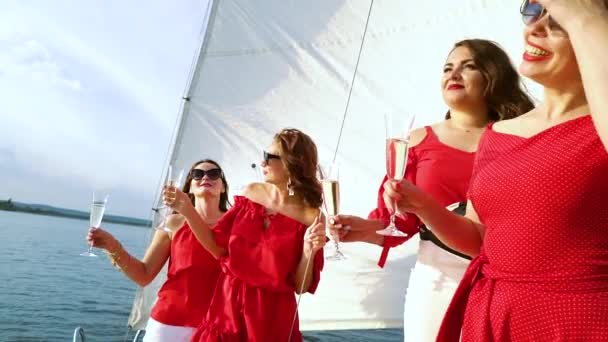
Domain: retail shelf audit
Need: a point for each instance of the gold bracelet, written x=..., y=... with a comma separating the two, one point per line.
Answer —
x=115, y=259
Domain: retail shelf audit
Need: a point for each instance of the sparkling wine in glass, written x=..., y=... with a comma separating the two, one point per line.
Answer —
x=98, y=208
x=397, y=140
x=174, y=180
x=331, y=201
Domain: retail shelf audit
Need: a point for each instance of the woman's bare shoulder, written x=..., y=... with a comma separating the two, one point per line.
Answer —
x=416, y=136
x=257, y=192
x=513, y=125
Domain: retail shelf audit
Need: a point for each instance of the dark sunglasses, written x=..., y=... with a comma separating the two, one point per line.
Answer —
x=213, y=174
x=268, y=156
x=532, y=12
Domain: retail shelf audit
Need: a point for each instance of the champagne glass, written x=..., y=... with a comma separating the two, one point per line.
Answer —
x=329, y=176
x=398, y=129
x=174, y=179
x=98, y=208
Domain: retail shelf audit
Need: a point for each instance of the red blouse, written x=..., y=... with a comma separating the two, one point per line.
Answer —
x=438, y=169
x=255, y=295
x=184, y=298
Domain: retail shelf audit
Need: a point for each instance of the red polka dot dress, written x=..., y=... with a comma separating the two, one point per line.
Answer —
x=542, y=274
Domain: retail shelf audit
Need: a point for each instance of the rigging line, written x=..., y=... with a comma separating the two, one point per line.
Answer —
x=369, y=13
x=127, y=334
x=170, y=152
x=352, y=83
x=184, y=103
x=295, y=314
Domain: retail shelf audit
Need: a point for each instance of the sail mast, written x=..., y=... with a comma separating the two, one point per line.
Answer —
x=145, y=297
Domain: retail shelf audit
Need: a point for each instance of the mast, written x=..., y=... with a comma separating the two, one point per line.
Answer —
x=145, y=296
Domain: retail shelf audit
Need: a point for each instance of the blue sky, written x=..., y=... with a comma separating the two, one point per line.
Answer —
x=89, y=94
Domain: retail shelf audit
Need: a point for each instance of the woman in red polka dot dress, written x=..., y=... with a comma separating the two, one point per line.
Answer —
x=537, y=216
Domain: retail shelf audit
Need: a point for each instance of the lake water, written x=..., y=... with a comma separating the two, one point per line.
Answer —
x=47, y=289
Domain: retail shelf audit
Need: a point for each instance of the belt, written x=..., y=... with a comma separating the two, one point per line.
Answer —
x=427, y=235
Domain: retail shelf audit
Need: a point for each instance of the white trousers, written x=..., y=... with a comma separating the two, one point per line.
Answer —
x=432, y=284
x=160, y=332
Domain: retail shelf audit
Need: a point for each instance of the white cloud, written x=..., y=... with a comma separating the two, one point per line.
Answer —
x=88, y=103
x=31, y=59
x=143, y=59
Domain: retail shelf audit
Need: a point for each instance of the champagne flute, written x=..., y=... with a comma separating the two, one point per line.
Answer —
x=397, y=139
x=174, y=180
x=98, y=208
x=329, y=176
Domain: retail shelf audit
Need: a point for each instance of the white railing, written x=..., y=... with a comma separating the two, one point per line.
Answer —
x=79, y=335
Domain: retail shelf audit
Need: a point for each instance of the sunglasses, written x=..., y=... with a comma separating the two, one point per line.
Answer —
x=533, y=12
x=213, y=174
x=268, y=156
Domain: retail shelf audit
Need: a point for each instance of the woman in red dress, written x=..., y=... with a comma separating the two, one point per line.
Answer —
x=184, y=298
x=479, y=85
x=537, y=219
x=269, y=245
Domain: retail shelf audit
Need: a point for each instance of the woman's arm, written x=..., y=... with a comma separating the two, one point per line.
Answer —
x=144, y=271
x=586, y=22
x=179, y=201
x=464, y=234
x=314, y=240
x=351, y=228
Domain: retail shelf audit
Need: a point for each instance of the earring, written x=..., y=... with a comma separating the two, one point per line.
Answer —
x=290, y=191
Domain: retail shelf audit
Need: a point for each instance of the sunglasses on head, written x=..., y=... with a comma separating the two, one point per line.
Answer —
x=533, y=12
x=268, y=156
x=213, y=174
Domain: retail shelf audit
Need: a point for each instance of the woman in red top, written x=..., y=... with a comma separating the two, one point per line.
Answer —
x=476, y=77
x=184, y=298
x=537, y=219
x=266, y=251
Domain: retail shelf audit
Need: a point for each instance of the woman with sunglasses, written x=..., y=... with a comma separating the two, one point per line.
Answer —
x=536, y=218
x=269, y=245
x=184, y=298
x=479, y=85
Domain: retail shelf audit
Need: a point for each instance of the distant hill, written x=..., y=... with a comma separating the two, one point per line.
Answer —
x=43, y=209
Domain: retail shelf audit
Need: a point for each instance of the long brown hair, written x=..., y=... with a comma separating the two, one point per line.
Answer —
x=224, y=203
x=505, y=93
x=299, y=156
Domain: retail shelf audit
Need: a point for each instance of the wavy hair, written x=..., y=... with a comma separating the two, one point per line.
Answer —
x=299, y=156
x=505, y=93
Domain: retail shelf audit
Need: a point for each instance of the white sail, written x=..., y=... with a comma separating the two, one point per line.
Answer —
x=269, y=64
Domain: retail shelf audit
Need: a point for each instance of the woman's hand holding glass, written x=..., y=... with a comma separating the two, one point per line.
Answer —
x=350, y=228
x=100, y=238
x=314, y=238
x=175, y=199
x=403, y=197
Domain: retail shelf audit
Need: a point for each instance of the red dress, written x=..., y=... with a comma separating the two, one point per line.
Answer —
x=255, y=295
x=542, y=274
x=439, y=170
x=184, y=298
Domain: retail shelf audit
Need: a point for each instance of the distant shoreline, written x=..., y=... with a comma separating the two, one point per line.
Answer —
x=41, y=209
